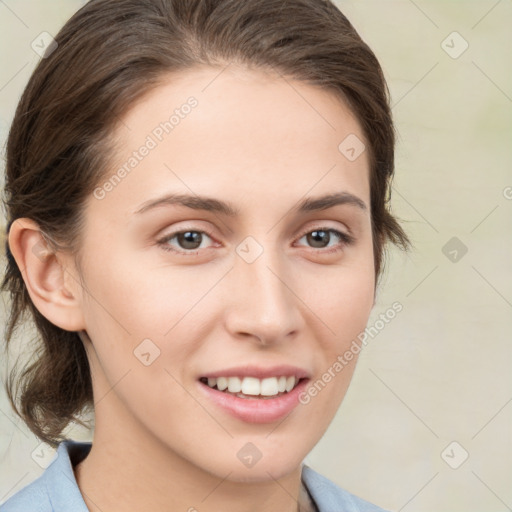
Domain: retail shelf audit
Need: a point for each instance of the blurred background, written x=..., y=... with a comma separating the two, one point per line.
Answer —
x=427, y=422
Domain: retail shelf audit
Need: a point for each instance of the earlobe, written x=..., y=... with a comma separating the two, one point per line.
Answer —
x=44, y=273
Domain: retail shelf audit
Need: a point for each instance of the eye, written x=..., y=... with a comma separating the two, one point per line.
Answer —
x=319, y=238
x=188, y=240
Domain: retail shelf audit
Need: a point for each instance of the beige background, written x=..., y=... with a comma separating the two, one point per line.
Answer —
x=440, y=371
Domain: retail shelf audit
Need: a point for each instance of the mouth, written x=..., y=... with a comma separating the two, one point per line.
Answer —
x=253, y=388
x=255, y=394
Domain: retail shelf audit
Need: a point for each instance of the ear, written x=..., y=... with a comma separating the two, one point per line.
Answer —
x=48, y=275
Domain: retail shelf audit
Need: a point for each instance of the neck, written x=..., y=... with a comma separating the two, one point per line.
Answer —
x=129, y=470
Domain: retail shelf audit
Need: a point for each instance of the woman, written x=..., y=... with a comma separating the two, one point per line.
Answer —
x=262, y=130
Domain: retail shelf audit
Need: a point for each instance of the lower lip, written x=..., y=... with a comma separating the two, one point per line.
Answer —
x=262, y=410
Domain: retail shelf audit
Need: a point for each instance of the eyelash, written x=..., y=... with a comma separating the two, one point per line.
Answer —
x=345, y=238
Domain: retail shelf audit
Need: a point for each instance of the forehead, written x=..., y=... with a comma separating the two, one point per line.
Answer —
x=211, y=130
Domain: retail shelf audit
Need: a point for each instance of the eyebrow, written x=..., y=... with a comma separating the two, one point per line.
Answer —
x=217, y=206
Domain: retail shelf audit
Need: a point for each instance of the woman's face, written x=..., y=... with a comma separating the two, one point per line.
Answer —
x=259, y=283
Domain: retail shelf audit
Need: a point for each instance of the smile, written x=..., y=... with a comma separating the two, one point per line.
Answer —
x=252, y=387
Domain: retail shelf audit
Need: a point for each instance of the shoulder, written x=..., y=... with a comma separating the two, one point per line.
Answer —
x=56, y=489
x=33, y=497
x=329, y=497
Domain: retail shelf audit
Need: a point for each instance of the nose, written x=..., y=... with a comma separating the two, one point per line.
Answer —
x=262, y=304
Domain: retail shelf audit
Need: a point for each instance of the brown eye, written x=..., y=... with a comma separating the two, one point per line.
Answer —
x=189, y=239
x=184, y=242
x=320, y=238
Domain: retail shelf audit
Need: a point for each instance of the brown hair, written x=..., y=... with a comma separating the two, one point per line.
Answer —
x=108, y=55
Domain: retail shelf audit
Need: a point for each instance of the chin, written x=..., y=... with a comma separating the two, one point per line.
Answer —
x=267, y=473
x=274, y=466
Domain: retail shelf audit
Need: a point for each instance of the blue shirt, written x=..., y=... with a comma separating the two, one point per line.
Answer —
x=56, y=489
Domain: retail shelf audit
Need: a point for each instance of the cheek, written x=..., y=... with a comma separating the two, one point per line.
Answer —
x=148, y=321
x=345, y=300
x=343, y=304
x=144, y=299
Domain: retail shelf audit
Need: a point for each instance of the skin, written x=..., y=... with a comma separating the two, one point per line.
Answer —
x=262, y=143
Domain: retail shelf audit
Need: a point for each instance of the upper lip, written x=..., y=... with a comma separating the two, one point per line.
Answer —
x=259, y=372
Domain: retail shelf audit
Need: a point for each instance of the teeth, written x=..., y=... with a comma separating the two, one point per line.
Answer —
x=234, y=385
x=251, y=386
x=270, y=386
x=222, y=383
x=290, y=382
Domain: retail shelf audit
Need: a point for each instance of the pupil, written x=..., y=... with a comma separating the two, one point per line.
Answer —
x=188, y=238
x=318, y=236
